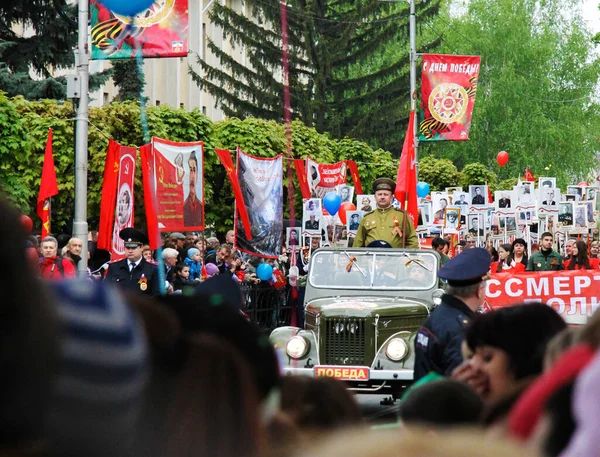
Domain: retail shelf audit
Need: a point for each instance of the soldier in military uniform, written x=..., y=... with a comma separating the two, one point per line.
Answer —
x=439, y=339
x=386, y=222
x=134, y=272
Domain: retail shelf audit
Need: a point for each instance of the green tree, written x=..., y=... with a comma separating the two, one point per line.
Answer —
x=477, y=173
x=343, y=78
x=129, y=80
x=536, y=94
x=438, y=173
x=50, y=47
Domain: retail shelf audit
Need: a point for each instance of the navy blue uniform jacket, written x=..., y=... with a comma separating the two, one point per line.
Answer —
x=144, y=273
x=439, y=339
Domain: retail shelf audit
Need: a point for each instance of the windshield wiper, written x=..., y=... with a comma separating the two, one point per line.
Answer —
x=418, y=261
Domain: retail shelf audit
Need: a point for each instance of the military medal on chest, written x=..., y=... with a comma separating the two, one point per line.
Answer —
x=143, y=282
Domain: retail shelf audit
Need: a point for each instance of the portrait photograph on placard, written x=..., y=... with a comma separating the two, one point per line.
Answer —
x=565, y=214
x=312, y=242
x=589, y=206
x=545, y=182
x=425, y=213
x=292, y=237
x=525, y=216
x=589, y=193
x=548, y=196
x=503, y=199
x=569, y=197
x=475, y=223
x=460, y=199
x=524, y=194
x=452, y=218
x=440, y=203
x=312, y=204
x=366, y=203
x=353, y=219
x=311, y=221
x=451, y=197
x=575, y=190
x=346, y=193
x=478, y=195
x=511, y=224
x=580, y=216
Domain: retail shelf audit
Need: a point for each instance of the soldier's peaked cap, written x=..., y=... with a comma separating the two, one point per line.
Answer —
x=384, y=184
x=379, y=244
x=133, y=237
x=467, y=268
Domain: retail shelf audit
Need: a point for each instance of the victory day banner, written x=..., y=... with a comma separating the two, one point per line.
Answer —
x=160, y=31
x=574, y=294
x=174, y=173
x=261, y=181
x=324, y=177
x=448, y=89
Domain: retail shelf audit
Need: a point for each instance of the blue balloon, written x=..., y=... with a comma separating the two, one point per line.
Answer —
x=264, y=271
x=422, y=189
x=332, y=202
x=127, y=7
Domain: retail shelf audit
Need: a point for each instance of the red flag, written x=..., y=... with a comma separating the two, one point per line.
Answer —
x=355, y=177
x=225, y=158
x=301, y=175
x=490, y=197
x=406, y=180
x=529, y=176
x=48, y=187
x=150, y=203
x=109, y=196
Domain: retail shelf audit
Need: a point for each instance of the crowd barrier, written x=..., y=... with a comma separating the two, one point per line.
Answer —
x=267, y=307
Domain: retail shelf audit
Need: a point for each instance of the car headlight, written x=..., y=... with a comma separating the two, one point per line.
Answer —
x=437, y=296
x=297, y=347
x=396, y=349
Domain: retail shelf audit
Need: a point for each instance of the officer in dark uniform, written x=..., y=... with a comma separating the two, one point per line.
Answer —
x=438, y=342
x=134, y=272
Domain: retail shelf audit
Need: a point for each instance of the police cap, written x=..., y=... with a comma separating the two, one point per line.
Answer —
x=379, y=244
x=384, y=184
x=467, y=268
x=133, y=237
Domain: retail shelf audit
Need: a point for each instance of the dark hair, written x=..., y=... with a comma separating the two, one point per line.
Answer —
x=445, y=402
x=545, y=234
x=581, y=259
x=438, y=242
x=493, y=253
x=180, y=266
x=520, y=241
x=509, y=259
x=522, y=331
x=193, y=157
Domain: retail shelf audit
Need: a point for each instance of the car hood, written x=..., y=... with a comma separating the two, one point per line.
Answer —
x=367, y=306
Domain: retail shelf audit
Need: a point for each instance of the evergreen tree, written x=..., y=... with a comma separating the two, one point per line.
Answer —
x=343, y=77
x=49, y=47
x=128, y=79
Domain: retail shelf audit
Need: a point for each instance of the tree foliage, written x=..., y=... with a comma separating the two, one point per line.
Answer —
x=50, y=47
x=343, y=78
x=536, y=93
x=128, y=79
x=25, y=125
x=438, y=173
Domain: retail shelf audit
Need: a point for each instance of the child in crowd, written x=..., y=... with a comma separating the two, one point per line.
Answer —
x=194, y=261
x=182, y=277
x=211, y=270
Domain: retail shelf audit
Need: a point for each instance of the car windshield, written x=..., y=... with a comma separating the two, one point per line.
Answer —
x=373, y=270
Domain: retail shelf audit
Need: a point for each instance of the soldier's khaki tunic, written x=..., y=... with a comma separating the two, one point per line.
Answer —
x=378, y=225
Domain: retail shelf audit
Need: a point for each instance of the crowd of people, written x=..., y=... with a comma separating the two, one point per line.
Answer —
x=112, y=367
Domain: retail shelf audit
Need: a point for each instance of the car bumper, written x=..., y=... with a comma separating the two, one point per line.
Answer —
x=374, y=375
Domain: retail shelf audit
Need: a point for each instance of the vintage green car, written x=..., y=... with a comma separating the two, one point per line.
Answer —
x=363, y=308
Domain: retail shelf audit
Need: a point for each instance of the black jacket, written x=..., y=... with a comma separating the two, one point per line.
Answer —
x=143, y=278
x=438, y=341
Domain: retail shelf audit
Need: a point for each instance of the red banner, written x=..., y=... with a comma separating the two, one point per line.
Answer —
x=109, y=195
x=124, y=202
x=301, y=175
x=324, y=177
x=575, y=295
x=355, y=177
x=48, y=187
x=406, y=179
x=448, y=91
x=225, y=157
x=159, y=31
x=150, y=204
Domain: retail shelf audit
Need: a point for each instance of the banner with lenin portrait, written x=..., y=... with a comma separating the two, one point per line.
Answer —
x=174, y=177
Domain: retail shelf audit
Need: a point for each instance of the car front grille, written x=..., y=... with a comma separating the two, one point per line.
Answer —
x=345, y=340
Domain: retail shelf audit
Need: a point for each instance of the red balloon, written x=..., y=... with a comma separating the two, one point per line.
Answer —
x=347, y=206
x=502, y=158
x=26, y=223
x=583, y=184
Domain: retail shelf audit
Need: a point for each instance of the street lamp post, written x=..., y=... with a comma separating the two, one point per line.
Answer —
x=80, y=226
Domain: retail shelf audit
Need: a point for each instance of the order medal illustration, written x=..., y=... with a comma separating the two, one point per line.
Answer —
x=143, y=282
